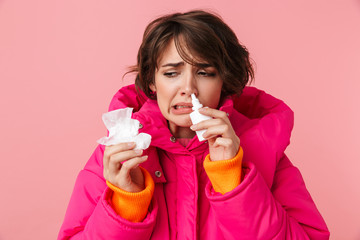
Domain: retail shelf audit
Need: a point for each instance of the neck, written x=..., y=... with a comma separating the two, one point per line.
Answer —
x=181, y=132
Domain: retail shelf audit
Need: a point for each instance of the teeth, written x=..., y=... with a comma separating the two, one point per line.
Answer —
x=177, y=107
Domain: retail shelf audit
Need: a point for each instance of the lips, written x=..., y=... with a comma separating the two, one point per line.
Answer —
x=181, y=108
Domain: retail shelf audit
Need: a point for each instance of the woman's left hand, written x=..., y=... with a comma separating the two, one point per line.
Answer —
x=223, y=142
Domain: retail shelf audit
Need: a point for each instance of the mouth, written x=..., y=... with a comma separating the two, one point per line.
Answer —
x=182, y=106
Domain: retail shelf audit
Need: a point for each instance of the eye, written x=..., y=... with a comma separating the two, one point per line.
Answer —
x=170, y=74
x=206, y=74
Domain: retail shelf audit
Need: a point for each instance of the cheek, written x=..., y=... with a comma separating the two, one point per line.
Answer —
x=163, y=96
x=213, y=92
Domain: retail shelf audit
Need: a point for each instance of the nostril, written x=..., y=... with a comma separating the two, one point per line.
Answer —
x=196, y=95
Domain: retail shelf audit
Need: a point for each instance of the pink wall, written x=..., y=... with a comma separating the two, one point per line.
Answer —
x=61, y=62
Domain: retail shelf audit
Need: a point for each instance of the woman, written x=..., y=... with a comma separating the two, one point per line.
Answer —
x=238, y=184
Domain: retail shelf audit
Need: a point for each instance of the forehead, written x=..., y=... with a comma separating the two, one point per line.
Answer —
x=170, y=54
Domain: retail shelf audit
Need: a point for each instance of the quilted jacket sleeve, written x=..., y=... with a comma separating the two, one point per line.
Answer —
x=89, y=214
x=253, y=211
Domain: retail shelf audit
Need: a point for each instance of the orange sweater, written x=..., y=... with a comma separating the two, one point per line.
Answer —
x=133, y=206
x=224, y=176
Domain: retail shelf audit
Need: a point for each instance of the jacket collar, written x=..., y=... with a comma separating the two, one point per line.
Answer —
x=257, y=109
x=154, y=123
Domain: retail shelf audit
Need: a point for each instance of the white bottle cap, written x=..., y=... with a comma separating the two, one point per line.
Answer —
x=195, y=102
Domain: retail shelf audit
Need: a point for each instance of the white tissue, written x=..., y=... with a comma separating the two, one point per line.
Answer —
x=123, y=129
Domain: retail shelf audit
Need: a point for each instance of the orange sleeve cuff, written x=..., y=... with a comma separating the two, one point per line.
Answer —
x=133, y=206
x=224, y=175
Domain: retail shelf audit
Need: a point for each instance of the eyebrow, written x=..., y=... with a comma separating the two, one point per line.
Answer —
x=201, y=65
x=173, y=64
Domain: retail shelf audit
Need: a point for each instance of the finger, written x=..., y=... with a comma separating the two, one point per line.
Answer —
x=214, y=113
x=117, y=160
x=133, y=163
x=124, y=173
x=207, y=124
x=119, y=147
x=223, y=142
x=218, y=130
x=112, y=149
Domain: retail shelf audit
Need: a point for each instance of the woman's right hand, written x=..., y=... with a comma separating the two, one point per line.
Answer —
x=121, y=167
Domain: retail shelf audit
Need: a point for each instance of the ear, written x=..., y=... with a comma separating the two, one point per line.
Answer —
x=152, y=87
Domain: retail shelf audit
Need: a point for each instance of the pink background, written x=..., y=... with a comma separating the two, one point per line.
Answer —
x=62, y=61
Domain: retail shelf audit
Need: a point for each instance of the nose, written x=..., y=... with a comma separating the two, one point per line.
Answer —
x=189, y=85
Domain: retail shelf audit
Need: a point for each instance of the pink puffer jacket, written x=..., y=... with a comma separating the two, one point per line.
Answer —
x=270, y=203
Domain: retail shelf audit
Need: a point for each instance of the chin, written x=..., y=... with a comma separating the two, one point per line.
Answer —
x=182, y=122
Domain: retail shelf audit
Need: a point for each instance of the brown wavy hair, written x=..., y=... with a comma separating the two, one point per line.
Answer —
x=197, y=34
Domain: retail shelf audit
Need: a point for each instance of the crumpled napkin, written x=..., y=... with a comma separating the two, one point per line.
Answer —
x=123, y=129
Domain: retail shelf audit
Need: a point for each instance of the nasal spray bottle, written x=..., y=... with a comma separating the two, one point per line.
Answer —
x=197, y=117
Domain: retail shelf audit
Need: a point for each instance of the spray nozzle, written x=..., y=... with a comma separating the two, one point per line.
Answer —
x=195, y=102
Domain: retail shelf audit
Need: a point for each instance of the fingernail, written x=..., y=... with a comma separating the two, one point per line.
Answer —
x=193, y=127
x=139, y=151
x=130, y=144
x=144, y=157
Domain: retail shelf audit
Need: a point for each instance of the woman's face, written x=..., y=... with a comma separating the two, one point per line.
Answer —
x=176, y=80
